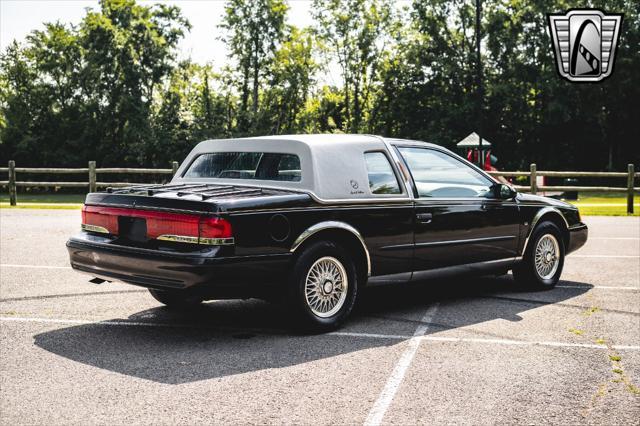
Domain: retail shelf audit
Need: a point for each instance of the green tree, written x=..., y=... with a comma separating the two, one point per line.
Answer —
x=292, y=74
x=356, y=34
x=186, y=112
x=254, y=31
x=129, y=50
x=75, y=93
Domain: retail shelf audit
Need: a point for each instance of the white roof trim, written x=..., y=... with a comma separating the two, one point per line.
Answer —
x=332, y=166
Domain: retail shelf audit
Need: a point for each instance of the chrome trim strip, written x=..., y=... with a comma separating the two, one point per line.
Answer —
x=94, y=228
x=578, y=226
x=178, y=239
x=354, y=200
x=196, y=240
x=535, y=221
x=332, y=225
x=450, y=242
x=319, y=208
x=568, y=206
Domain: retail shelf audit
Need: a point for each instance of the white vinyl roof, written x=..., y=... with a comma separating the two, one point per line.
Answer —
x=332, y=165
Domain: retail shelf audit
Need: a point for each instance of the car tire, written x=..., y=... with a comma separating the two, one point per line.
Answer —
x=175, y=299
x=323, y=287
x=543, y=260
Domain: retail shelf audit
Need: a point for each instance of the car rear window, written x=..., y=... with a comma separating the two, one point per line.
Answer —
x=246, y=165
x=382, y=180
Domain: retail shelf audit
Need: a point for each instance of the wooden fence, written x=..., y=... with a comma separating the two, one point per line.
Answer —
x=93, y=184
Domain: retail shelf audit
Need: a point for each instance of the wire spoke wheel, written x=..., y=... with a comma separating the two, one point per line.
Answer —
x=326, y=287
x=547, y=256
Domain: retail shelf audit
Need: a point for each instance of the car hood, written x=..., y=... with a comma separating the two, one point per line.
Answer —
x=537, y=199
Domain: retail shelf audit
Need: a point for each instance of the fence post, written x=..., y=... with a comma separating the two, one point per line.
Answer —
x=92, y=177
x=13, y=193
x=630, y=176
x=533, y=181
x=174, y=167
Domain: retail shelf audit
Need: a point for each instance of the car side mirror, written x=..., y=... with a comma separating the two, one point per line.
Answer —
x=503, y=191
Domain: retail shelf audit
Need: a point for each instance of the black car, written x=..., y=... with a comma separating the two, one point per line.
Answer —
x=313, y=219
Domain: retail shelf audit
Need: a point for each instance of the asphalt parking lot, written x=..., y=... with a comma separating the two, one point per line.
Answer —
x=464, y=351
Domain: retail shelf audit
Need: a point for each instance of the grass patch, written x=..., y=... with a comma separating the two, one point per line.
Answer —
x=592, y=310
x=576, y=331
x=603, y=204
x=615, y=358
x=45, y=198
x=42, y=206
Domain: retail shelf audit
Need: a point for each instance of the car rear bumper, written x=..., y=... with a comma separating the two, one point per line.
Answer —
x=578, y=235
x=195, y=271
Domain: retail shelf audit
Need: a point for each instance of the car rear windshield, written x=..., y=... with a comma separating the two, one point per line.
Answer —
x=246, y=165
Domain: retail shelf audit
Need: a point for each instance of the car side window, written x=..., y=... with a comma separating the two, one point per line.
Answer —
x=382, y=179
x=437, y=174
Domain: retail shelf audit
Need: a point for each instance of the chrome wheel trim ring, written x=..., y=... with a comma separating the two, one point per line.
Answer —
x=547, y=256
x=326, y=287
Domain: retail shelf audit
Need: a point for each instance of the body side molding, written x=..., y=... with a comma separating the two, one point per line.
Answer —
x=332, y=224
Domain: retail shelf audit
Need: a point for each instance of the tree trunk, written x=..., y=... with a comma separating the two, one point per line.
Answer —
x=207, y=100
x=256, y=83
x=242, y=124
x=356, y=105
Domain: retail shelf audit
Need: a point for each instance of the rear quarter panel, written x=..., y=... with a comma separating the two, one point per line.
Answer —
x=260, y=232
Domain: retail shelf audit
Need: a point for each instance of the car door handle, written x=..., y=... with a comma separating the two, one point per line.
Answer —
x=424, y=217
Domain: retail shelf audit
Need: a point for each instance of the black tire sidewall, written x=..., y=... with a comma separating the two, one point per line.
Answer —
x=528, y=271
x=175, y=299
x=296, y=294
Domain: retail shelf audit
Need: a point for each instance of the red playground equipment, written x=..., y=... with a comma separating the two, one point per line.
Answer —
x=478, y=154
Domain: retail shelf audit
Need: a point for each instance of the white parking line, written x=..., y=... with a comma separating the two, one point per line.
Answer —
x=614, y=238
x=601, y=287
x=87, y=322
x=412, y=339
x=602, y=256
x=527, y=343
x=395, y=380
x=10, y=265
x=370, y=335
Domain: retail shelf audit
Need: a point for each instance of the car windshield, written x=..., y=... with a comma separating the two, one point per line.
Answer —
x=246, y=165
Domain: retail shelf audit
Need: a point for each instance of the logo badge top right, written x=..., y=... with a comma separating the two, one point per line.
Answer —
x=585, y=42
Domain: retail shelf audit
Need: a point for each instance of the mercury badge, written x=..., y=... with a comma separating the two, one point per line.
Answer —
x=585, y=42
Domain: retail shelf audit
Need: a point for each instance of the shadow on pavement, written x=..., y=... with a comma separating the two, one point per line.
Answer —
x=224, y=338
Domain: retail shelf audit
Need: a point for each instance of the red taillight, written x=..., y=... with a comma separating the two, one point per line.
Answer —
x=214, y=227
x=96, y=220
x=160, y=225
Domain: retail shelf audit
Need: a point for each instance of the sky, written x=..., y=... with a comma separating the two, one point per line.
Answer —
x=19, y=17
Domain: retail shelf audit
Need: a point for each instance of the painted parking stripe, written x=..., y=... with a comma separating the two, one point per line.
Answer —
x=334, y=333
x=527, y=343
x=601, y=287
x=602, y=256
x=89, y=322
x=614, y=238
x=11, y=265
x=379, y=409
